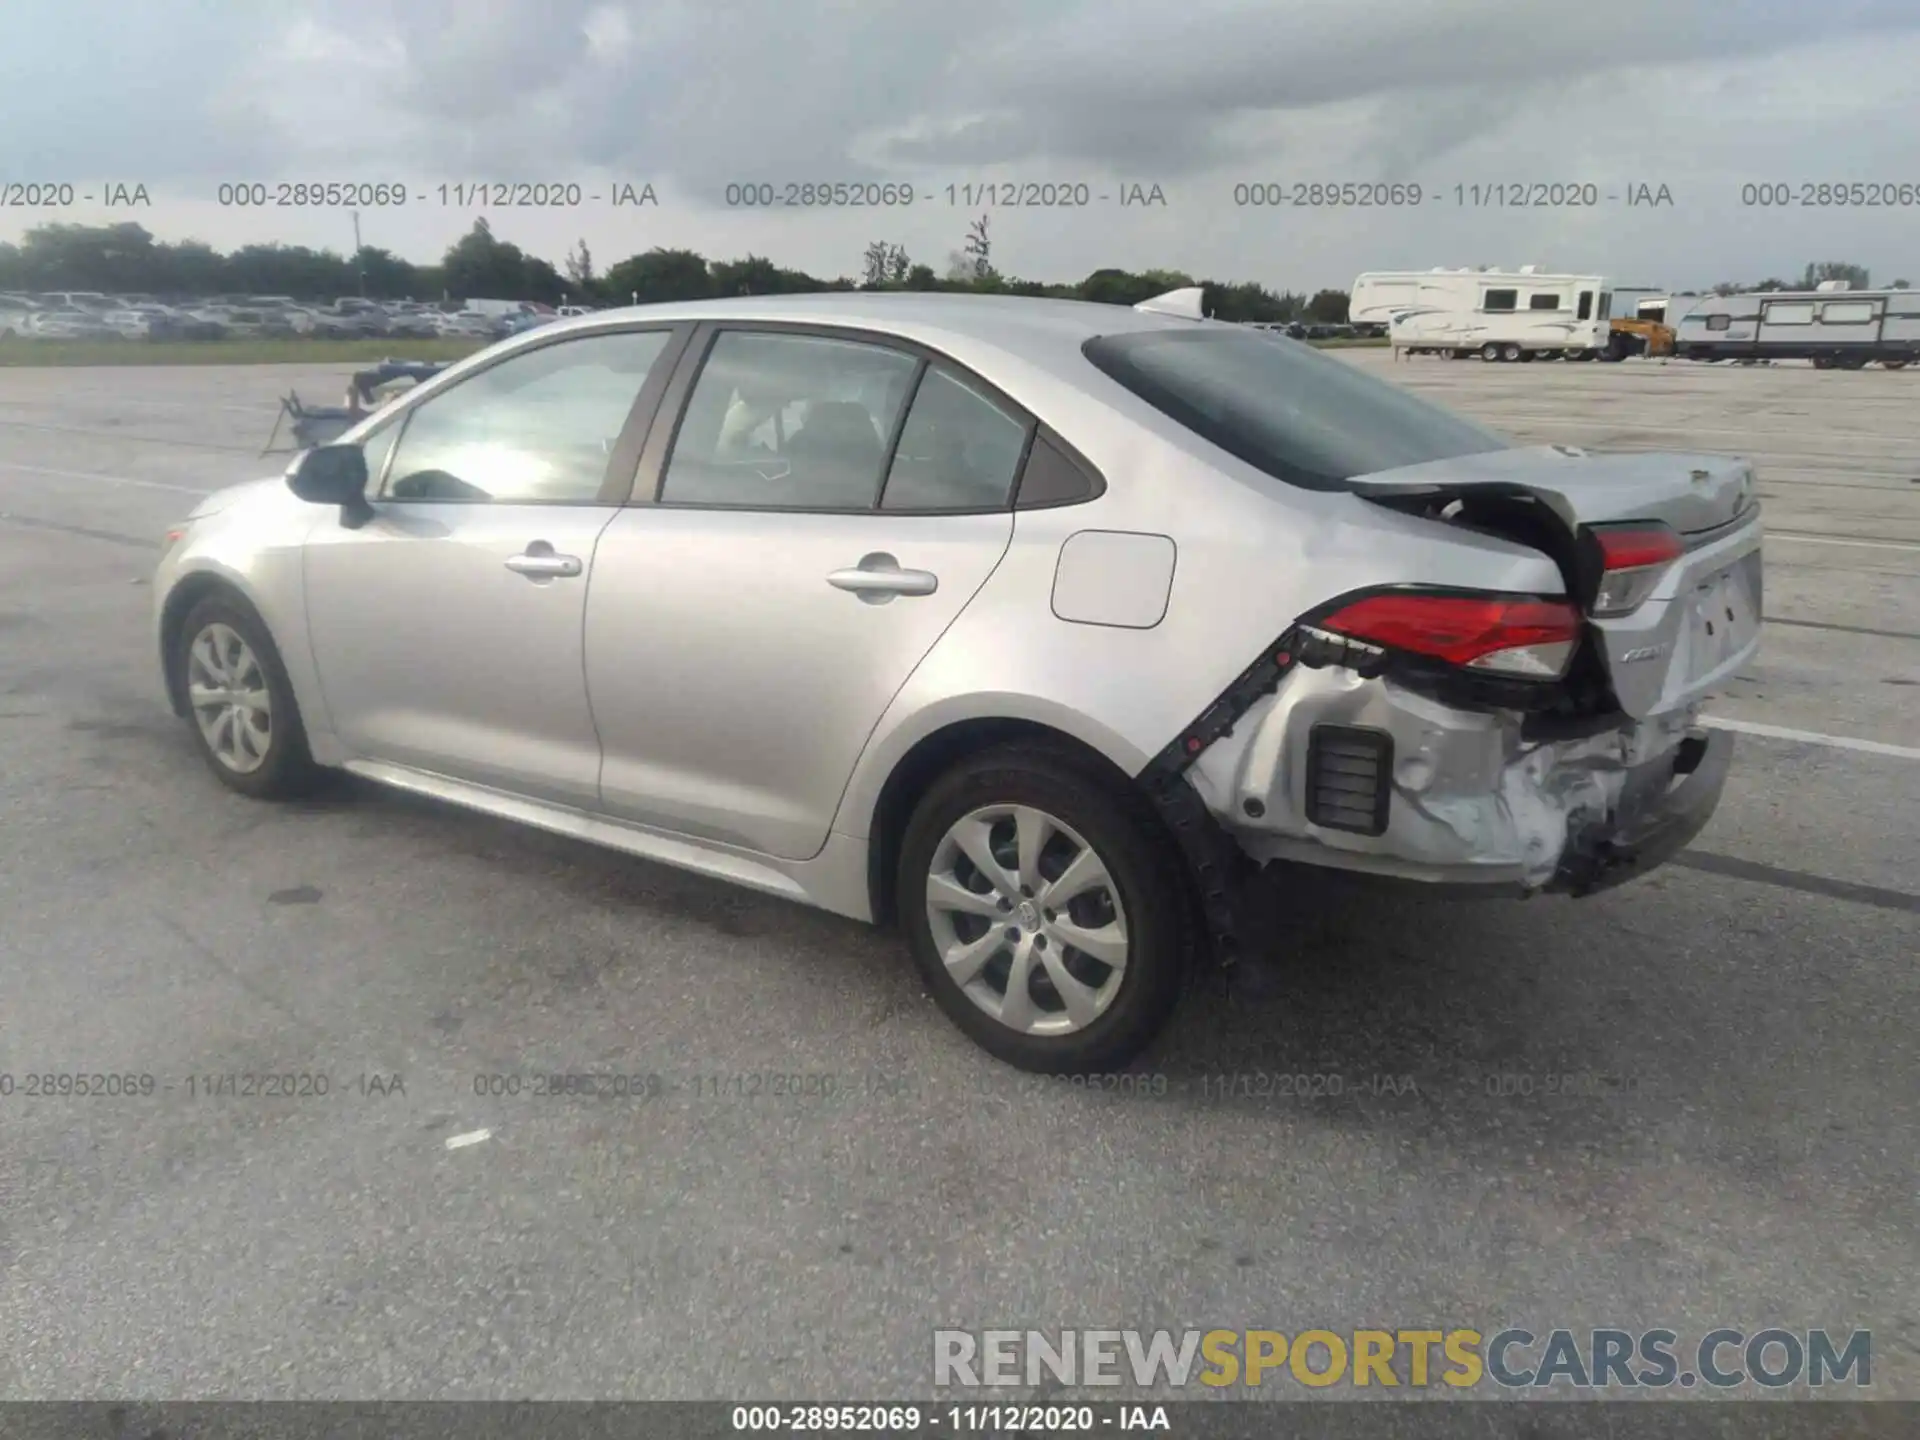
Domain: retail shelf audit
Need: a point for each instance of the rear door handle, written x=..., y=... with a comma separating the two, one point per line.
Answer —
x=878, y=578
x=539, y=562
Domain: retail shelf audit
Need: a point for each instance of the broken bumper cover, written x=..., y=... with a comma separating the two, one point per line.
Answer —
x=1461, y=800
x=1674, y=799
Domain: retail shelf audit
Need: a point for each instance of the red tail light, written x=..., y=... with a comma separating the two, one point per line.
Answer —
x=1633, y=557
x=1512, y=635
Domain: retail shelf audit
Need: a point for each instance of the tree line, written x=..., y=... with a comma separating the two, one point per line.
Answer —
x=128, y=259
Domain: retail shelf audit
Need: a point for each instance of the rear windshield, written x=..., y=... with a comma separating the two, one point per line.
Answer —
x=1283, y=407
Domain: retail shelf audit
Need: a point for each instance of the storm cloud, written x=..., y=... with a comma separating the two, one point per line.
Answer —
x=1193, y=95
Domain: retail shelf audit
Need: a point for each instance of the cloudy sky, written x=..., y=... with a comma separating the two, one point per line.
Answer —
x=1196, y=97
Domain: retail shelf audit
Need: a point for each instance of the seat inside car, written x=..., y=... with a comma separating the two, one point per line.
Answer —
x=836, y=453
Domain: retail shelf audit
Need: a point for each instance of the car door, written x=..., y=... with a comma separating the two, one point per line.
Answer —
x=826, y=507
x=447, y=629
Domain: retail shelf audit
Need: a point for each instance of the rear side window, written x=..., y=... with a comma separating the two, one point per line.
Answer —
x=1288, y=410
x=1500, y=300
x=959, y=450
x=788, y=422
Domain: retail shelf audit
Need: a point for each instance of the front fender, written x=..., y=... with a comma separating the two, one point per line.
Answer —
x=269, y=578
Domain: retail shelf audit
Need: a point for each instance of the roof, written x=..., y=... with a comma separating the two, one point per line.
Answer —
x=1014, y=324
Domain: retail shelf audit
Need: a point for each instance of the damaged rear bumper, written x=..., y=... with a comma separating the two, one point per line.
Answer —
x=1677, y=796
x=1363, y=775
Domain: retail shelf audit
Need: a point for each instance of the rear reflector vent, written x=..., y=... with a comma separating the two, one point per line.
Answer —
x=1349, y=774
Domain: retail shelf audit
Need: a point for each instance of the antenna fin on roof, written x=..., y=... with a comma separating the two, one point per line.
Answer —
x=1186, y=302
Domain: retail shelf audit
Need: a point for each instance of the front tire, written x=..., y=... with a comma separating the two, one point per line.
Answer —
x=1045, y=908
x=240, y=703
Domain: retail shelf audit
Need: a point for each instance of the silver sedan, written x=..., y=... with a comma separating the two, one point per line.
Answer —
x=1034, y=627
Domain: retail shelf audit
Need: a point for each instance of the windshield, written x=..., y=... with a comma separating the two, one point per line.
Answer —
x=1285, y=408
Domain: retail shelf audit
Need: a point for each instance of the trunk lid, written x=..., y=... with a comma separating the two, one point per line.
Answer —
x=1693, y=493
x=1699, y=626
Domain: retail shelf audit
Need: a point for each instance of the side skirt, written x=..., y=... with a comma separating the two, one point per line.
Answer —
x=833, y=880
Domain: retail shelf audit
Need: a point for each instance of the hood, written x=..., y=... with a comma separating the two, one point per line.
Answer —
x=233, y=495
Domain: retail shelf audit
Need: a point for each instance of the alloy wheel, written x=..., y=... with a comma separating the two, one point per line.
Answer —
x=227, y=690
x=1027, y=919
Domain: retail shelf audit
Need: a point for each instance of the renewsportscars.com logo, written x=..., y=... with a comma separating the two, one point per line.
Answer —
x=1592, y=1359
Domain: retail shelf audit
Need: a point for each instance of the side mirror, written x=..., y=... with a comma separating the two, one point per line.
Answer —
x=333, y=475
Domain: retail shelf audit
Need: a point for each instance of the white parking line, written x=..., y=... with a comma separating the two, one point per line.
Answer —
x=472, y=1137
x=102, y=479
x=1811, y=737
x=1840, y=540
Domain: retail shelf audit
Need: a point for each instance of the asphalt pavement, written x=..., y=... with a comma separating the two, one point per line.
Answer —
x=1690, y=1102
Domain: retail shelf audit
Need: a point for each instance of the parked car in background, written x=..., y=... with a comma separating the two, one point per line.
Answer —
x=467, y=327
x=1035, y=626
x=188, y=324
x=89, y=300
x=236, y=322
x=69, y=323
x=15, y=312
x=529, y=318
x=277, y=319
x=142, y=322
x=413, y=323
x=352, y=317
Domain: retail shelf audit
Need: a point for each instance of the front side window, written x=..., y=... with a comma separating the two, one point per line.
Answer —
x=1500, y=300
x=536, y=429
x=1719, y=322
x=1847, y=312
x=788, y=422
x=960, y=449
x=1289, y=410
x=1543, y=301
x=1788, y=313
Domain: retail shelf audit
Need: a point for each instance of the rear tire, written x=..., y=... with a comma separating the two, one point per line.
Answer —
x=248, y=729
x=998, y=958
x=1893, y=364
x=1490, y=352
x=1511, y=353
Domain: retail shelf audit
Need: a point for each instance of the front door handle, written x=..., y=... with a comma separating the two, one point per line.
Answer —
x=878, y=578
x=539, y=562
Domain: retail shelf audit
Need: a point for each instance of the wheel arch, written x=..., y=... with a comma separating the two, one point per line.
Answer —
x=188, y=591
x=885, y=805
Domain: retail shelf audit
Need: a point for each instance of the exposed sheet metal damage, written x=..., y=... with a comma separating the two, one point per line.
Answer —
x=1473, y=799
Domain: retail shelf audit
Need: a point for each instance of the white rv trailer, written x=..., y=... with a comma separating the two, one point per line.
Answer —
x=1495, y=314
x=1667, y=309
x=1834, y=327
